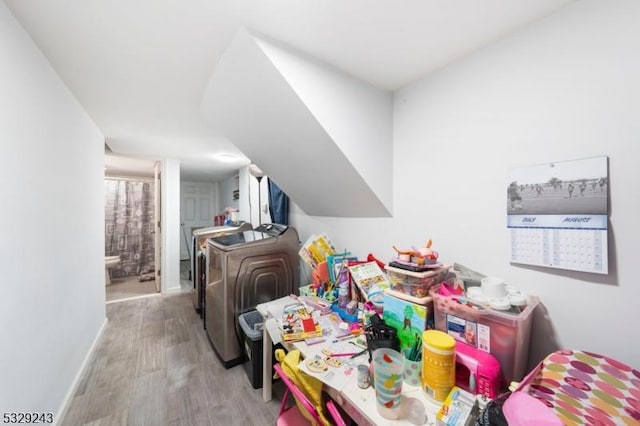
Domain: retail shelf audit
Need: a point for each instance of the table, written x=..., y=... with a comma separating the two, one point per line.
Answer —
x=266, y=309
x=360, y=404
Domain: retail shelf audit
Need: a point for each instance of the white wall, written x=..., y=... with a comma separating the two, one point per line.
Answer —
x=566, y=88
x=227, y=187
x=52, y=306
x=170, y=205
x=249, y=203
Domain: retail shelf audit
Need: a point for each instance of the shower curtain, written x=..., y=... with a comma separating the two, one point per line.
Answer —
x=129, y=230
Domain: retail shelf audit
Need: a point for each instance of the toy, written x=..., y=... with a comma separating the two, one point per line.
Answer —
x=419, y=256
x=477, y=371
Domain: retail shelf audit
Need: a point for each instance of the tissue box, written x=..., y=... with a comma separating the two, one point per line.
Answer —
x=459, y=409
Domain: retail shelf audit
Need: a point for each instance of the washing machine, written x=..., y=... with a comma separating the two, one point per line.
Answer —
x=244, y=270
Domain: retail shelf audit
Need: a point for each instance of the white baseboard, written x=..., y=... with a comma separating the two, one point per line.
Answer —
x=142, y=296
x=76, y=380
x=176, y=290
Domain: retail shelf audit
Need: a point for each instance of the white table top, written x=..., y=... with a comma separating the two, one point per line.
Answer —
x=364, y=400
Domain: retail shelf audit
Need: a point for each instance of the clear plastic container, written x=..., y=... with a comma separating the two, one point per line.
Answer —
x=416, y=413
x=415, y=284
x=504, y=334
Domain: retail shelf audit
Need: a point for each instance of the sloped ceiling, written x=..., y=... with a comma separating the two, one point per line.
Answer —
x=139, y=67
x=324, y=137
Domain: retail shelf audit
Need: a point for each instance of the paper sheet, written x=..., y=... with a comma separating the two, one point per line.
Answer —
x=337, y=377
x=274, y=331
x=274, y=309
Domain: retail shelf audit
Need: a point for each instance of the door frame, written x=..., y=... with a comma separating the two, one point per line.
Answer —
x=157, y=219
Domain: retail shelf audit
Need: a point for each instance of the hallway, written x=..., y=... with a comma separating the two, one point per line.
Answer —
x=155, y=366
x=129, y=287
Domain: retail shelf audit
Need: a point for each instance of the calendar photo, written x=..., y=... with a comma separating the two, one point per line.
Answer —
x=567, y=187
x=557, y=214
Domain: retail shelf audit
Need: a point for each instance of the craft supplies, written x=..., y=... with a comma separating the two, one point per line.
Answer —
x=413, y=363
x=358, y=354
x=350, y=354
x=415, y=352
x=380, y=335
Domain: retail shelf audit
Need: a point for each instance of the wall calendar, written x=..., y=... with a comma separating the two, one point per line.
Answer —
x=557, y=215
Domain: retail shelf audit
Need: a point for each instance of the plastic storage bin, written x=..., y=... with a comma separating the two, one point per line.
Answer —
x=415, y=284
x=251, y=323
x=504, y=335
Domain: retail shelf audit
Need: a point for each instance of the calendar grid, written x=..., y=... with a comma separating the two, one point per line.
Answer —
x=577, y=248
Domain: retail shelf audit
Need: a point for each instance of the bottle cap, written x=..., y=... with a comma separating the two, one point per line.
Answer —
x=518, y=299
x=473, y=291
x=500, y=303
x=511, y=289
x=478, y=299
x=439, y=340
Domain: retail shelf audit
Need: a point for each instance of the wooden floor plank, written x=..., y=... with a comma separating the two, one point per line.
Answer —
x=122, y=288
x=154, y=366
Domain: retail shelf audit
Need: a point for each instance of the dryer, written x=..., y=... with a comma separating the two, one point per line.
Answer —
x=244, y=270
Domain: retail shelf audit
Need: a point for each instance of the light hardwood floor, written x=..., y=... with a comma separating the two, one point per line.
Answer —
x=132, y=287
x=154, y=366
x=124, y=288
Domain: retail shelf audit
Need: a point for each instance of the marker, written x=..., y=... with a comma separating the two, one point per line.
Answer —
x=346, y=354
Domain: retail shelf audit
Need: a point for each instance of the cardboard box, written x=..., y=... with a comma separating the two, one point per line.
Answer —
x=459, y=409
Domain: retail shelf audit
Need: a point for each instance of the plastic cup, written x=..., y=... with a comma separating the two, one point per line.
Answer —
x=388, y=373
x=493, y=287
x=413, y=372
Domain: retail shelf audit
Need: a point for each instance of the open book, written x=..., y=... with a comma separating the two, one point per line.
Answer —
x=370, y=279
x=298, y=324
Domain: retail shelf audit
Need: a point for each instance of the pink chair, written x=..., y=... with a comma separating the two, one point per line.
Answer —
x=292, y=416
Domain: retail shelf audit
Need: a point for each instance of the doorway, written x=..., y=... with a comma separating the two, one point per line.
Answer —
x=198, y=206
x=131, y=234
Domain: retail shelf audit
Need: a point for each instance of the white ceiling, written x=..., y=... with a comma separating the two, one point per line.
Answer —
x=116, y=166
x=139, y=67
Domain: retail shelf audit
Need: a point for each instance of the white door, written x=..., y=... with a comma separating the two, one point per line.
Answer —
x=157, y=220
x=197, y=209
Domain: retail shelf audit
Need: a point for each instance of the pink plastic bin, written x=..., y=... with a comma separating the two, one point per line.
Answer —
x=507, y=335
